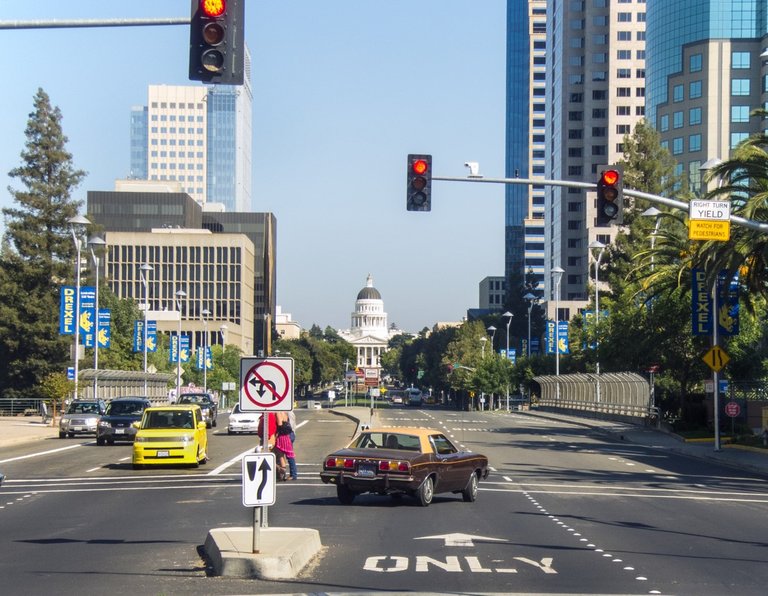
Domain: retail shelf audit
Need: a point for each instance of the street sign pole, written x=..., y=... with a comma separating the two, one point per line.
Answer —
x=715, y=372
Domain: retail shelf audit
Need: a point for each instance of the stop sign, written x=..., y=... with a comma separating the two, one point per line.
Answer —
x=733, y=409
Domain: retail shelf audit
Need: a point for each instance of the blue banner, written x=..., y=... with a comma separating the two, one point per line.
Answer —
x=701, y=304
x=138, y=335
x=88, y=315
x=67, y=310
x=207, y=362
x=511, y=354
x=549, y=338
x=727, y=305
x=173, y=349
x=562, y=338
x=105, y=328
x=151, y=336
x=185, y=349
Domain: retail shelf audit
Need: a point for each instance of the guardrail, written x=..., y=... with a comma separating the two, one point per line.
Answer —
x=10, y=406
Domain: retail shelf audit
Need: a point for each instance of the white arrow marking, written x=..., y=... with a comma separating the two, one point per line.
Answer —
x=458, y=539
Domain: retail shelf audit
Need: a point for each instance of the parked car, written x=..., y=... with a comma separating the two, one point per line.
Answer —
x=82, y=417
x=242, y=422
x=116, y=423
x=206, y=403
x=396, y=398
x=419, y=462
x=2, y=477
x=414, y=396
x=171, y=435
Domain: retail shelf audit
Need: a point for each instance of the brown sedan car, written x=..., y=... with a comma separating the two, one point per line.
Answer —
x=415, y=461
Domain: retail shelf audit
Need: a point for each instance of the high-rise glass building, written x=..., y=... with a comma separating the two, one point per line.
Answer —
x=706, y=72
x=200, y=137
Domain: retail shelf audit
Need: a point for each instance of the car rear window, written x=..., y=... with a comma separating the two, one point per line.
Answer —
x=387, y=440
x=125, y=408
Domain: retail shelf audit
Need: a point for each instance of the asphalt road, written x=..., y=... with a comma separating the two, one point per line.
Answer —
x=563, y=511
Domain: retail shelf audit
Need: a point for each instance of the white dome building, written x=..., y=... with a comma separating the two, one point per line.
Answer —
x=369, y=332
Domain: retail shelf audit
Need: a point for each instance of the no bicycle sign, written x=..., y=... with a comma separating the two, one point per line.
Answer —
x=266, y=384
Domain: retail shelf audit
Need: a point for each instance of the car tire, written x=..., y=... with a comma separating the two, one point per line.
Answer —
x=71, y=435
x=426, y=491
x=229, y=432
x=214, y=423
x=345, y=495
x=138, y=466
x=100, y=441
x=469, y=494
x=208, y=424
x=111, y=442
x=62, y=435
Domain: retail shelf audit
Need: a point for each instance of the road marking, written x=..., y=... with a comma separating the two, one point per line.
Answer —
x=39, y=453
x=231, y=462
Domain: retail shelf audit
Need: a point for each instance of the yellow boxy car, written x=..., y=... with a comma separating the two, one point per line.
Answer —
x=171, y=435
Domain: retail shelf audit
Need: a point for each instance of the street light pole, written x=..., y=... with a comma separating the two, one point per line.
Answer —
x=205, y=312
x=145, y=270
x=76, y=226
x=508, y=315
x=596, y=244
x=96, y=241
x=530, y=299
x=180, y=295
x=557, y=273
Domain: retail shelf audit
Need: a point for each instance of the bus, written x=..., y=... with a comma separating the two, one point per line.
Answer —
x=414, y=397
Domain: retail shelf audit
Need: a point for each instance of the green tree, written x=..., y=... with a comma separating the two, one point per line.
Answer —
x=37, y=256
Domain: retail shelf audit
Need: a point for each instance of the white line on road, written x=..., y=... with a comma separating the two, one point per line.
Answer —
x=5, y=461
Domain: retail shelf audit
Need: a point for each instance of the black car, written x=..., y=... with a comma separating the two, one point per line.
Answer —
x=115, y=424
x=206, y=403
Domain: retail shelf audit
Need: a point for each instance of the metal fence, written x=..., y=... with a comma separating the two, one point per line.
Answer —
x=20, y=407
x=617, y=394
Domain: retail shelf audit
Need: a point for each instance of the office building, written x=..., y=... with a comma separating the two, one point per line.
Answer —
x=492, y=293
x=175, y=218
x=595, y=95
x=707, y=70
x=199, y=136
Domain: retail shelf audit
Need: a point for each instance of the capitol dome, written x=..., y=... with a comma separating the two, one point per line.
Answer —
x=369, y=292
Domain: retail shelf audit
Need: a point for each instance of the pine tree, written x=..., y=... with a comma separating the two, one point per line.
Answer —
x=37, y=256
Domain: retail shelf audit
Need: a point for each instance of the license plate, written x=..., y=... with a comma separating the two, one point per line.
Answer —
x=366, y=471
x=162, y=454
x=80, y=428
x=119, y=431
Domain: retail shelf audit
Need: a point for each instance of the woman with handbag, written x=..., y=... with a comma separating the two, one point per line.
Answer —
x=283, y=445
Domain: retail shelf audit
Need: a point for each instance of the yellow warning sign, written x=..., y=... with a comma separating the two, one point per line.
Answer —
x=709, y=229
x=716, y=358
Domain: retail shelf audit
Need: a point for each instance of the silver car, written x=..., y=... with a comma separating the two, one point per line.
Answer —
x=82, y=417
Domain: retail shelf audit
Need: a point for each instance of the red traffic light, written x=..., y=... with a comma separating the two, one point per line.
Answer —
x=610, y=177
x=213, y=8
x=420, y=166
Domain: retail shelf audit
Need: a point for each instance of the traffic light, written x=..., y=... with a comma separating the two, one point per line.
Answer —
x=419, y=191
x=217, y=42
x=610, y=195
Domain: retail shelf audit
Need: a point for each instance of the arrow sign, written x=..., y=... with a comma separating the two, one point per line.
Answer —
x=458, y=539
x=258, y=479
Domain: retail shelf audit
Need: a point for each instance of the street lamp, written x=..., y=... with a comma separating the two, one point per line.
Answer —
x=492, y=330
x=483, y=340
x=530, y=299
x=77, y=225
x=507, y=315
x=205, y=314
x=653, y=212
x=145, y=270
x=557, y=274
x=96, y=241
x=596, y=244
x=180, y=295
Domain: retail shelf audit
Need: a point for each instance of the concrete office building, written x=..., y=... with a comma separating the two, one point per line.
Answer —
x=198, y=136
x=596, y=94
x=176, y=216
x=707, y=68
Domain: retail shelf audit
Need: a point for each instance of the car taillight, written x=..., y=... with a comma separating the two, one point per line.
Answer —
x=349, y=463
x=394, y=466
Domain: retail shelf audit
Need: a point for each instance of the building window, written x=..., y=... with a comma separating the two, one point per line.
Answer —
x=677, y=120
x=624, y=54
x=739, y=113
x=694, y=143
x=677, y=145
x=624, y=73
x=677, y=93
x=625, y=17
x=623, y=129
x=599, y=131
x=623, y=92
x=599, y=95
x=639, y=110
x=694, y=90
x=599, y=113
x=738, y=137
x=640, y=92
x=664, y=123
x=694, y=63
x=740, y=87
x=624, y=36
x=740, y=60
x=694, y=116
x=623, y=111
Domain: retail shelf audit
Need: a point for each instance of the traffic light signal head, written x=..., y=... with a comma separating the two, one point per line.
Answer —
x=216, y=41
x=610, y=195
x=419, y=191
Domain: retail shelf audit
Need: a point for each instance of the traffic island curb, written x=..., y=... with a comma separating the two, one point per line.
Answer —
x=283, y=552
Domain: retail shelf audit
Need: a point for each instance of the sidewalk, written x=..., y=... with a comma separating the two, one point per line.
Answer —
x=16, y=430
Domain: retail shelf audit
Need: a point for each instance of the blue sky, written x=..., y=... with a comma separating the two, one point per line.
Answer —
x=343, y=91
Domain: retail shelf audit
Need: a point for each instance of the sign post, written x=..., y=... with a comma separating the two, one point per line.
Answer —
x=266, y=385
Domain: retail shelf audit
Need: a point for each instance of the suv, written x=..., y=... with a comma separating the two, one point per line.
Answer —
x=115, y=424
x=206, y=403
x=82, y=417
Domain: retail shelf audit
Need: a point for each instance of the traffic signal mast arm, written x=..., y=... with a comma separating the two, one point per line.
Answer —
x=682, y=206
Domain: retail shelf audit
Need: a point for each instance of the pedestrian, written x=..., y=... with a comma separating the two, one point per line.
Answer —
x=292, y=460
x=283, y=446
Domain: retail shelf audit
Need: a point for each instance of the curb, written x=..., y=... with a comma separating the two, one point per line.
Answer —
x=283, y=552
